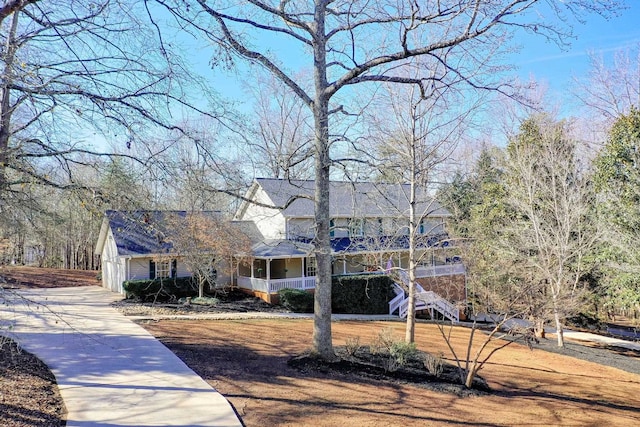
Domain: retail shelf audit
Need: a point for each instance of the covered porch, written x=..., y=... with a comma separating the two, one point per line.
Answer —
x=284, y=264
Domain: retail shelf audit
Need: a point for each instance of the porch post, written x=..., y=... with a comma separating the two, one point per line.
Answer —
x=344, y=266
x=252, y=264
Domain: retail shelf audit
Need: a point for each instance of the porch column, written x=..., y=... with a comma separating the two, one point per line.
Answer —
x=268, y=269
x=252, y=264
x=344, y=266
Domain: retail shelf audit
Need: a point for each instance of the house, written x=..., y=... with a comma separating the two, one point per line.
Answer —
x=132, y=245
x=137, y=245
x=369, y=232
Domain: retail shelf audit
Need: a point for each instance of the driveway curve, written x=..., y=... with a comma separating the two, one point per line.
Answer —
x=110, y=371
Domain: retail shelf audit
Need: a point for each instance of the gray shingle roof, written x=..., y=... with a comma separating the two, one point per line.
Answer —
x=140, y=232
x=147, y=232
x=349, y=199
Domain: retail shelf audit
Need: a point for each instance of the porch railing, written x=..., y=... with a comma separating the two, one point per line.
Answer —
x=440, y=270
x=272, y=286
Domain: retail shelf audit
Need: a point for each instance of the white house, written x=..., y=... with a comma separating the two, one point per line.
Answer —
x=132, y=245
x=369, y=233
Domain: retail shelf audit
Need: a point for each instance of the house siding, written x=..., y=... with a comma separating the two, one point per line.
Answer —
x=113, y=269
x=452, y=288
x=270, y=222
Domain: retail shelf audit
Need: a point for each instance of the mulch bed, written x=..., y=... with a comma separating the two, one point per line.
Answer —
x=29, y=394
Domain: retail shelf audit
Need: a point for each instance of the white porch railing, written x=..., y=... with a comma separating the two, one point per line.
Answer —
x=272, y=286
x=440, y=270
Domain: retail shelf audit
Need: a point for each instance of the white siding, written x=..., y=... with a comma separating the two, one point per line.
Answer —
x=139, y=268
x=270, y=222
x=113, y=268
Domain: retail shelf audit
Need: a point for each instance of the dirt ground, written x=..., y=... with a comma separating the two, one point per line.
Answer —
x=22, y=277
x=247, y=362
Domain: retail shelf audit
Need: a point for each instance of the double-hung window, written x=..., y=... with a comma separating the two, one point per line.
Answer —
x=162, y=269
x=356, y=227
x=311, y=267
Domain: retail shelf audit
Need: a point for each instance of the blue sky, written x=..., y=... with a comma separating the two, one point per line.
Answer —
x=547, y=63
x=539, y=59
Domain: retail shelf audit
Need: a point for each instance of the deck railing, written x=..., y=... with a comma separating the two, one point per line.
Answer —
x=440, y=270
x=272, y=286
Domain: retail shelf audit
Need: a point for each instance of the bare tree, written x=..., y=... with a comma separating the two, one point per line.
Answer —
x=349, y=43
x=282, y=133
x=208, y=245
x=611, y=89
x=77, y=77
x=552, y=197
x=414, y=137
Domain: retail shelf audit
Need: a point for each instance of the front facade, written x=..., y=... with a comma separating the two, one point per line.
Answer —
x=369, y=233
x=132, y=247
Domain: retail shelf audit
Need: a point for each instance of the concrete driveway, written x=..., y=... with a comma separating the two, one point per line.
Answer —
x=110, y=371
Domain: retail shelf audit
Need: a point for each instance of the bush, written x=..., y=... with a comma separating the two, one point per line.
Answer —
x=160, y=289
x=434, y=364
x=352, y=345
x=361, y=294
x=397, y=352
x=296, y=300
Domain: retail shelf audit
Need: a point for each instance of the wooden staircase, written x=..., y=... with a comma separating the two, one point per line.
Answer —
x=425, y=300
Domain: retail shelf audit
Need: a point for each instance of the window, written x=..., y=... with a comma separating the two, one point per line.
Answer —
x=162, y=269
x=332, y=229
x=310, y=267
x=356, y=227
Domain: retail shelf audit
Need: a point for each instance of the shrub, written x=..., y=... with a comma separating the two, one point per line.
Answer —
x=402, y=351
x=434, y=364
x=398, y=352
x=352, y=345
x=160, y=289
x=296, y=300
x=361, y=294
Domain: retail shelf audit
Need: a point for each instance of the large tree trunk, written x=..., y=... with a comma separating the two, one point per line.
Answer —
x=5, y=101
x=322, y=341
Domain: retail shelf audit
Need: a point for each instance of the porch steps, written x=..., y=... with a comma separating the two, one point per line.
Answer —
x=425, y=300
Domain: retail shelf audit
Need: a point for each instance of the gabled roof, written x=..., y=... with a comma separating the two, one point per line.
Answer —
x=347, y=199
x=139, y=233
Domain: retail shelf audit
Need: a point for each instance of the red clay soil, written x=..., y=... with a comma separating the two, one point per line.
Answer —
x=247, y=362
x=22, y=277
